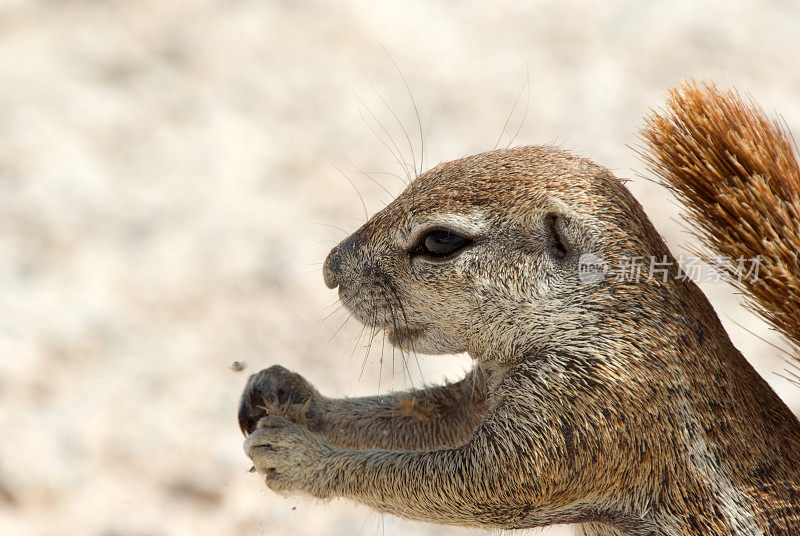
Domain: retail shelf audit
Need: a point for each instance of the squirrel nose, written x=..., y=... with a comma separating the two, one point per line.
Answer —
x=331, y=269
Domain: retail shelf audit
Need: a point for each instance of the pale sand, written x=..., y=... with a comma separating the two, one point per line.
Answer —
x=167, y=179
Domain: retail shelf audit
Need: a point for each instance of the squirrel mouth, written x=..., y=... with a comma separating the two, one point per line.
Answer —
x=401, y=337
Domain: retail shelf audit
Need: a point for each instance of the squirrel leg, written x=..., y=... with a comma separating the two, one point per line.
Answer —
x=419, y=419
x=484, y=475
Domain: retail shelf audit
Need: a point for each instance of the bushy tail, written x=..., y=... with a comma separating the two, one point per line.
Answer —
x=734, y=170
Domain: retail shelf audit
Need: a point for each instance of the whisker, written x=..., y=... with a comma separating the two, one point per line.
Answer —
x=342, y=326
x=416, y=110
x=342, y=304
x=370, y=172
x=402, y=127
x=332, y=308
x=383, y=348
x=398, y=156
x=795, y=377
x=405, y=319
x=787, y=356
x=404, y=360
x=374, y=332
x=394, y=325
x=419, y=121
x=360, y=197
x=510, y=114
x=363, y=361
x=474, y=386
x=527, y=105
x=332, y=302
x=331, y=226
x=368, y=176
x=380, y=364
x=355, y=346
x=793, y=381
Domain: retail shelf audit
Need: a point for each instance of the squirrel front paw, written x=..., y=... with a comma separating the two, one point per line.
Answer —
x=279, y=391
x=288, y=456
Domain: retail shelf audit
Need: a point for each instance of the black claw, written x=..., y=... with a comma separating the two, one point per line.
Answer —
x=247, y=422
x=248, y=410
x=273, y=386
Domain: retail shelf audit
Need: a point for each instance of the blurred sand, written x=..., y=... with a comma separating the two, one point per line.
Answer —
x=168, y=176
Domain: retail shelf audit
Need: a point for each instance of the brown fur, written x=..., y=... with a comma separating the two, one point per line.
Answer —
x=736, y=173
x=618, y=405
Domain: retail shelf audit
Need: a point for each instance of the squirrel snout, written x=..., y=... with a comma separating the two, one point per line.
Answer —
x=331, y=269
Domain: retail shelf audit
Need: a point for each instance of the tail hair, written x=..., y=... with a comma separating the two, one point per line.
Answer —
x=737, y=175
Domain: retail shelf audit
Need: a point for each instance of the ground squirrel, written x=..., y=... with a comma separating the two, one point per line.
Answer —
x=616, y=404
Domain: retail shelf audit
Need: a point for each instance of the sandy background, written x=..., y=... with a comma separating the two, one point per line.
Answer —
x=169, y=188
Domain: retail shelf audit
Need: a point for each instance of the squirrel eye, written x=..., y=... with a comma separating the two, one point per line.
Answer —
x=442, y=243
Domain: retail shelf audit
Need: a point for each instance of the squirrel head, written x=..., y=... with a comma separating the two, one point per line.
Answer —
x=488, y=254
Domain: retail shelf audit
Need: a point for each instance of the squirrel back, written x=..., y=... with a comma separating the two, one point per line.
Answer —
x=735, y=171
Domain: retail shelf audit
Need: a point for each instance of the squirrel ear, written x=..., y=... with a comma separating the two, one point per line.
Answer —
x=565, y=234
x=558, y=243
